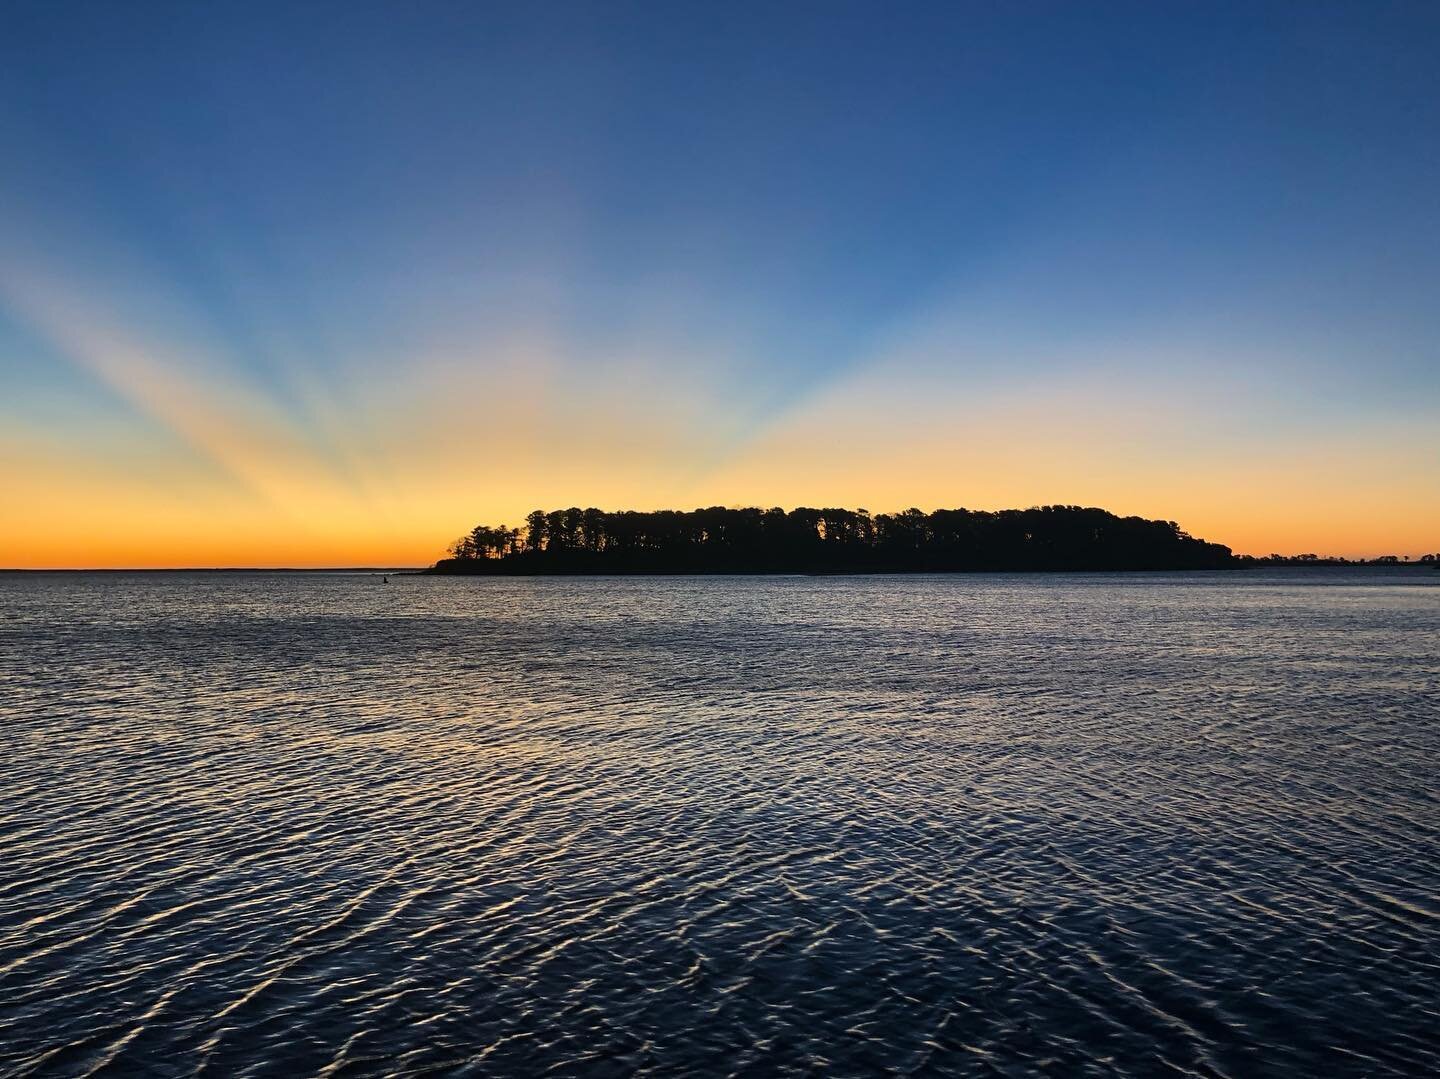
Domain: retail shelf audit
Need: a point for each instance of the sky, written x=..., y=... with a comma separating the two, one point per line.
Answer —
x=320, y=285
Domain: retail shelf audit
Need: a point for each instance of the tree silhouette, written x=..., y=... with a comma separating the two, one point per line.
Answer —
x=717, y=539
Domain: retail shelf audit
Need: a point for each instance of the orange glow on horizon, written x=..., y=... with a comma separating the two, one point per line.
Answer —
x=387, y=470
x=144, y=528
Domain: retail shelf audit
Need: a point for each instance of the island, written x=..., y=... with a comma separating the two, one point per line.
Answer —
x=722, y=540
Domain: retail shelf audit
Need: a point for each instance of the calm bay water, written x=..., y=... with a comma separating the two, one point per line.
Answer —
x=284, y=824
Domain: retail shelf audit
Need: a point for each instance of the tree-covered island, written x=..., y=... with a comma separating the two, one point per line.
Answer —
x=722, y=540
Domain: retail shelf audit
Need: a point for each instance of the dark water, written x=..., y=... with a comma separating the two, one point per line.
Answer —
x=310, y=824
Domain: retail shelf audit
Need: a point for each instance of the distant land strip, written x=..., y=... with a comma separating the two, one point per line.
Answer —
x=804, y=540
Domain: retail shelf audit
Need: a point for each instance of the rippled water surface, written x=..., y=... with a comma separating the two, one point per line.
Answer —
x=290, y=824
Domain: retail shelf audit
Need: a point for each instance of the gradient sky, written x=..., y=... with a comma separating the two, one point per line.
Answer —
x=307, y=284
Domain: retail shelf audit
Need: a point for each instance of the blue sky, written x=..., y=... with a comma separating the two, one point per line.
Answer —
x=325, y=229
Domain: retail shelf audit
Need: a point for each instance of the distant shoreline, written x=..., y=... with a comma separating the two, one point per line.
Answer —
x=1237, y=568
x=721, y=540
x=218, y=569
x=424, y=571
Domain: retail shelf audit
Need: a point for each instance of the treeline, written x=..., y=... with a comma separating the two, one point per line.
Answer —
x=1334, y=560
x=721, y=540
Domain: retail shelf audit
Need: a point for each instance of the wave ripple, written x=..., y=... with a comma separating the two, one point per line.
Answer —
x=302, y=824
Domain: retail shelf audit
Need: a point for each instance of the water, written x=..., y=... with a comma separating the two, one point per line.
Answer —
x=264, y=824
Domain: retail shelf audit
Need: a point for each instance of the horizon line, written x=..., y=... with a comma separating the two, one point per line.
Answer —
x=1323, y=562
x=211, y=569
